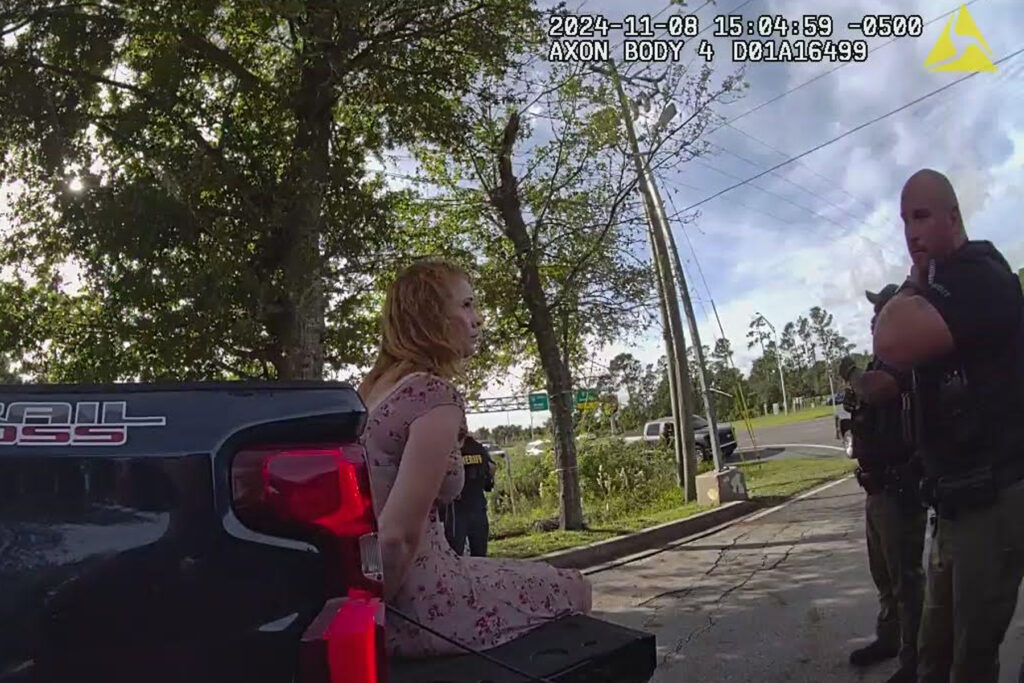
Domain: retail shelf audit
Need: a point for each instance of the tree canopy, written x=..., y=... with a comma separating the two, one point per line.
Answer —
x=207, y=167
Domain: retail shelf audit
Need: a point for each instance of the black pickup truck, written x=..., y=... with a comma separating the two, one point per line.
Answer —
x=220, y=532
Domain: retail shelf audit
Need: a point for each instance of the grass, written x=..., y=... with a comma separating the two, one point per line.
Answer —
x=768, y=481
x=775, y=479
x=782, y=419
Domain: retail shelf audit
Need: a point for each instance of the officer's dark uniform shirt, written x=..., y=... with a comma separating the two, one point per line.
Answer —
x=979, y=298
x=476, y=461
x=878, y=428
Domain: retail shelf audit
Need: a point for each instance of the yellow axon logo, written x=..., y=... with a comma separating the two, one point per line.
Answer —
x=976, y=56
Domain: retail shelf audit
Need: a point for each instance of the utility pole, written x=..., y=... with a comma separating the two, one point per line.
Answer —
x=698, y=350
x=674, y=388
x=683, y=429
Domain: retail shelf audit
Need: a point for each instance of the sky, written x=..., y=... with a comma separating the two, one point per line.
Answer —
x=823, y=230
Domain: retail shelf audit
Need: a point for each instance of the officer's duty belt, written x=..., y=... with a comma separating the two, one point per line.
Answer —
x=971, y=490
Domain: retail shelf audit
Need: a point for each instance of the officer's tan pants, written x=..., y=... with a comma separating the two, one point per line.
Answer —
x=974, y=570
x=895, y=537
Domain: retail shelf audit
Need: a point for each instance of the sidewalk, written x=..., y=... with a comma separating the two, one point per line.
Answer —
x=783, y=597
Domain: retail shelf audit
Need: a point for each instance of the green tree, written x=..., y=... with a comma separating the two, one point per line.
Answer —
x=726, y=382
x=661, y=406
x=727, y=379
x=765, y=385
x=206, y=165
x=625, y=373
x=554, y=215
x=763, y=382
x=832, y=344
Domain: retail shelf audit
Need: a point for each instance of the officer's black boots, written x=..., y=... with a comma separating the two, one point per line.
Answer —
x=874, y=653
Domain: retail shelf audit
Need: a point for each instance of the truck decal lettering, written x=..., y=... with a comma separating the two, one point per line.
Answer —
x=28, y=423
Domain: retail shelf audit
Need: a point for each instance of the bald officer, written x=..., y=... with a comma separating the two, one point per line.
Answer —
x=956, y=323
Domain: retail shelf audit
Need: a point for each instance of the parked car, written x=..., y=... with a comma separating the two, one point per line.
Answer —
x=493, y=450
x=220, y=532
x=535, y=448
x=661, y=429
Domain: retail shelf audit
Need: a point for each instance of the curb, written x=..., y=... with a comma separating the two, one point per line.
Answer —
x=622, y=546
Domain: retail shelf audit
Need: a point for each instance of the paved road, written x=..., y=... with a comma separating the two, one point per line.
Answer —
x=820, y=431
x=813, y=438
x=782, y=597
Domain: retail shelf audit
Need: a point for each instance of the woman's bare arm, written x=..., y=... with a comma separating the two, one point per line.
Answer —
x=432, y=438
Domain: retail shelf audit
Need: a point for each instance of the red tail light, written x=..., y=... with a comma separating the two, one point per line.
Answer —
x=345, y=643
x=322, y=494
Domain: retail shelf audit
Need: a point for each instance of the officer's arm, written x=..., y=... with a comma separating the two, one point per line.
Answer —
x=966, y=306
x=910, y=331
x=874, y=386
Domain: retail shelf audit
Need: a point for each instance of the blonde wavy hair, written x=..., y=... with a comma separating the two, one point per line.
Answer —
x=416, y=330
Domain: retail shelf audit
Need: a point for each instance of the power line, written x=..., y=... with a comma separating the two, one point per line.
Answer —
x=833, y=184
x=848, y=133
x=773, y=194
x=729, y=123
x=740, y=202
x=837, y=68
x=783, y=178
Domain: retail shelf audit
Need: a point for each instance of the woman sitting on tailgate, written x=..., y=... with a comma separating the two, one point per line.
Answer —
x=414, y=431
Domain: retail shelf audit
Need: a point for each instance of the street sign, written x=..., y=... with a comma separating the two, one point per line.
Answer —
x=586, y=400
x=538, y=402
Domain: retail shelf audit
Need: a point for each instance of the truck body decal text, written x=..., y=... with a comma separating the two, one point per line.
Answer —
x=87, y=423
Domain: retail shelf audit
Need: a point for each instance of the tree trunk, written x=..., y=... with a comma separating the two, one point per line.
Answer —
x=301, y=305
x=506, y=199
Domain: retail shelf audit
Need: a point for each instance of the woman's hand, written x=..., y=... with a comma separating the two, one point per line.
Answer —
x=432, y=438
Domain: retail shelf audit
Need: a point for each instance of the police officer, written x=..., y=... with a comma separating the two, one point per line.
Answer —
x=956, y=323
x=466, y=517
x=894, y=516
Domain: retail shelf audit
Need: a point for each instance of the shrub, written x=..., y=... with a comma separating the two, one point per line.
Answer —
x=614, y=478
x=528, y=476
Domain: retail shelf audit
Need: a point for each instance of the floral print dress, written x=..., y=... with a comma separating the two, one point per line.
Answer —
x=480, y=602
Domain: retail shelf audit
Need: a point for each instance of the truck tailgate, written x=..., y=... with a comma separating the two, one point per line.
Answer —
x=122, y=560
x=575, y=649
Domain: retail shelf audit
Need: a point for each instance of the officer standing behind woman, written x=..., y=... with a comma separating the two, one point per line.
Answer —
x=894, y=516
x=956, y=323
x=466, y=517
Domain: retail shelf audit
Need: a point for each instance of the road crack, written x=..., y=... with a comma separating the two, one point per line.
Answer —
x=682, y=592
x=716, y=606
